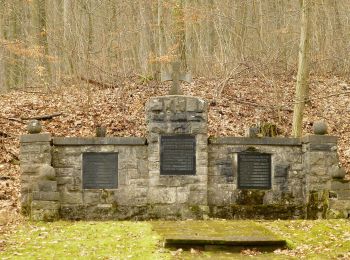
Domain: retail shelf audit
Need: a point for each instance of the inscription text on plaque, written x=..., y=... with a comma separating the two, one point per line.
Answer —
x=100, y=170
x=178, y=155
x=254, y=170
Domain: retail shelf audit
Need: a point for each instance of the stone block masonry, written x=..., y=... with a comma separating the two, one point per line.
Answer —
x=177, y=172
x=184, y=196
x=40, y=198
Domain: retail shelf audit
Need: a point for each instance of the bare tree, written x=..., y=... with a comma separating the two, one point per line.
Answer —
x=107, y=39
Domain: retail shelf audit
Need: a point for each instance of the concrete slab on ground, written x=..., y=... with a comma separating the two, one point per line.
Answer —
x=217, y=235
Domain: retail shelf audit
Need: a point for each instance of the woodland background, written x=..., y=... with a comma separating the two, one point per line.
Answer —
x=46, y=41
x=97, y=62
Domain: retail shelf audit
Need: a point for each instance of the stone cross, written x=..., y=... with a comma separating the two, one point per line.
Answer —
x=176, y=76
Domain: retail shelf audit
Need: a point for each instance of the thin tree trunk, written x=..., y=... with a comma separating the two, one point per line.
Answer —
x=67, y=64
x=3, y=86
x=261, y=25
x=180, y=33
x=211, y=30
x=161, y=36
x=303, y=69
x=145, y=47
x=43, y=42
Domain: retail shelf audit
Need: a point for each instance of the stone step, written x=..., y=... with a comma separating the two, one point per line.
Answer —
x=225, y=243
x=218, y=235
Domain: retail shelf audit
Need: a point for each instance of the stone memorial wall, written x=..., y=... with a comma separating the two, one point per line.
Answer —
x=177, y=172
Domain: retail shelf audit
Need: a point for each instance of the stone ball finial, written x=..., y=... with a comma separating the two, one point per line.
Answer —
x=34, y=127
x=320, y=128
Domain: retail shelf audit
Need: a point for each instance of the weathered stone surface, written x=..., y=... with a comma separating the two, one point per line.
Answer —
x=44, y=214
x=136, y=197
x=34, y=127
x=33, y=138
x=49, y=205
x=64, y=180
x=47, y=172
x=47, y=185
x=337, y=214
x=320, y=128
x=303, y=171
x=339, y=204
x=274, y=211
x=320, y=139
x=322, y=147
x=156, y=105
x=71, y=197
x=46, y=196
x=192, y=105
x=340, y=185
x=297, y=167
x=30, y=169
x=69, y=183
x=255, y=141
x=177, y=181
x=343, y=194
x=162, y=195
x=65, y=172
x=180, y=104
x=183, y=115
x=42, y=158
x=31, y=148
x=337, y=172
x=158, y=117
x=99, y=141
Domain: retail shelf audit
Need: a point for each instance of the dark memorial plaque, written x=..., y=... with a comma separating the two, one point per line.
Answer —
x=100, y=170
x=178, y=155
x=254, y=171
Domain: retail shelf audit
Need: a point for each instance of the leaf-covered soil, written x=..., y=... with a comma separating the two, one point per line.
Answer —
x=245, y=100
x=321, y=239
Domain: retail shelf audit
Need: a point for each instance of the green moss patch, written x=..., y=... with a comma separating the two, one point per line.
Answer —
x=83, y=240
x=217, y=235
x=245, y=230
x=319, y=239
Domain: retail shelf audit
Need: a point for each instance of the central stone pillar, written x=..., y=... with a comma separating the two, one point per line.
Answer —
x=175, y=194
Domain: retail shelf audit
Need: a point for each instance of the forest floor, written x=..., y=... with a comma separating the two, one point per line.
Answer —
x=235, y=103
x=320, y=239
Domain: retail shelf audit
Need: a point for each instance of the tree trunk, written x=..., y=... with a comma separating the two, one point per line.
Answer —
x=3, y=86
x=146, y=47
x=43, y=42
x=180, y=33
x=302, y=86
x=161, y=37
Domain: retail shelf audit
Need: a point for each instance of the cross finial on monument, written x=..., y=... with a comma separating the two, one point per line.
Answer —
x=176, y=77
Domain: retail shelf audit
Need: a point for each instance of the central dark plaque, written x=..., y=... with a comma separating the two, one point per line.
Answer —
x=254, y=170
x=100, y=170
x=178, y=155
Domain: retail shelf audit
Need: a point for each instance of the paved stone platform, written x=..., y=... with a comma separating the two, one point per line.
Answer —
x=218, y=235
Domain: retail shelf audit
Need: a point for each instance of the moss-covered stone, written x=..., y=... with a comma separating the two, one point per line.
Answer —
x=274, y=211
x=335, y=214
x=318, y=204
x=250, y=197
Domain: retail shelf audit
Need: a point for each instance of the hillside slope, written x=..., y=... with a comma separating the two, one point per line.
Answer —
x=244, y=101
